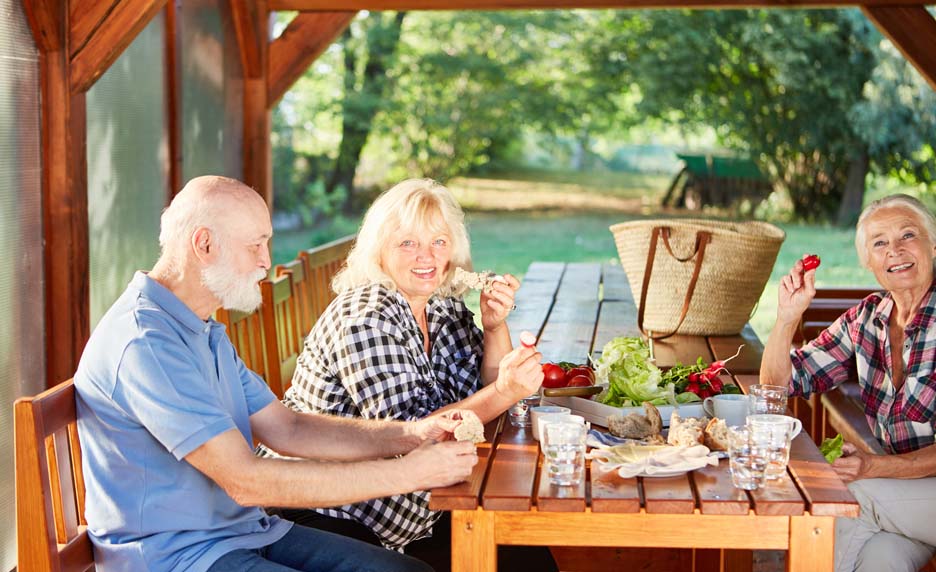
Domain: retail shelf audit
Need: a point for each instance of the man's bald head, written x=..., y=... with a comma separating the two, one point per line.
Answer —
x=211, y=202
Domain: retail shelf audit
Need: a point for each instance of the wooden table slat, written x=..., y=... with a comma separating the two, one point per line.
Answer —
x=614, y=284
x=670, y=495
x=512, y=472
x=778, y=497
x=568, y=334
x=826, y=494
x=611, y=493
x=716, y=493
x=554, y=498
x=465, y=495
x=581, y=280
x=615, y=318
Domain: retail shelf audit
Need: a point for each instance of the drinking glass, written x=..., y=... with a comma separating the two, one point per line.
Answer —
x=564, y=452
x=541, y=413
x=747, y=461
x=519, y=412
x=774, y=433
x=769, y=399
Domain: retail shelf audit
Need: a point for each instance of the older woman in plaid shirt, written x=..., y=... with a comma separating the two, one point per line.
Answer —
x=891, y=338
x=399, y=343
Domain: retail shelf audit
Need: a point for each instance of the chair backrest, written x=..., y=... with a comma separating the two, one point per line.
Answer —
x=322, y=263
x=826, y=307
x=281, y=335
x=246, y=334
x=301, y=287
x=51, y=532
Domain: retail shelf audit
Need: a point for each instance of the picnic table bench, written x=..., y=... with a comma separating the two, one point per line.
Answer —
x=575, y=309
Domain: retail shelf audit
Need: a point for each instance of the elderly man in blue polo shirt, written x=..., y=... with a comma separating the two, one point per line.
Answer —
x=168, y=414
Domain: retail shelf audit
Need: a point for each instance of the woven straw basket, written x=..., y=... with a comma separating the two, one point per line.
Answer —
x=729, y=276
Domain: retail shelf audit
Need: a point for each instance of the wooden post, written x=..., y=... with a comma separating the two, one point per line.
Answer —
x=252, y=26
x=473, y=548
x=64, y=194
x=812, y=543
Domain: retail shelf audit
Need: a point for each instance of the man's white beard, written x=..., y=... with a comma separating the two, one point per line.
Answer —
x=235, y=291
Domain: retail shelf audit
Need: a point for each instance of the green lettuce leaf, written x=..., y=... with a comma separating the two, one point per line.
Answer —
x=831, y=449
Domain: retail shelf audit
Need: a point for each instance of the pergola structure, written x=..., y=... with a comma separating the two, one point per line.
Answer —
x=78, y=40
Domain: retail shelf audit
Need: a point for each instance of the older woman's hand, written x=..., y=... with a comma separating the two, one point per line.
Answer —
x=853, y=464
x=520, y=373
x=497, y=304
x=796, y=291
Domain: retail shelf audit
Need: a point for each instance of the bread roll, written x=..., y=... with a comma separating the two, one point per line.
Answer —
x=470, y=428
x=716, y=435
x=686, y=432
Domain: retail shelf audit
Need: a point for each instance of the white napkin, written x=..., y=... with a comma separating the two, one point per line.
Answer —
x=631, y=460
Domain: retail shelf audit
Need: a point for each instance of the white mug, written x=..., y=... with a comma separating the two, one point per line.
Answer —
x=540, y=411
x=733, y=408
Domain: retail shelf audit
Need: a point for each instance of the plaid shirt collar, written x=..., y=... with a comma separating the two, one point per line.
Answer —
x=923, y=319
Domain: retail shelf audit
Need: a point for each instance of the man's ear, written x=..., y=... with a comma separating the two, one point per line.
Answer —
x=204, y=245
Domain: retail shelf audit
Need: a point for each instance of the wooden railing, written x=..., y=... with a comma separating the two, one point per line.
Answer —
x=269, y=339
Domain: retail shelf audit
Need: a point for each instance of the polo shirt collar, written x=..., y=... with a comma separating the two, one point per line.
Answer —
x=165, y=299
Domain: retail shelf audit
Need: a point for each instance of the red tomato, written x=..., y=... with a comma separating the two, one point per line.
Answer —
x=580, y=381
x=811, y=262
x=581, y=370
x=554, y=375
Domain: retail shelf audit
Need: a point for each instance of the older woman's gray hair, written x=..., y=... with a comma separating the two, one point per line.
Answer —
x=925, y=217
x=412, y=205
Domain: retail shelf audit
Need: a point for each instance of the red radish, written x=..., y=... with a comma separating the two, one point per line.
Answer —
x=527, y=339
x=811, y=262
x=716, y=367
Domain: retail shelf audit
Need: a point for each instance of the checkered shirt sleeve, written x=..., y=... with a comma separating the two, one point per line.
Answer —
x=902, y=419
x=365, y=358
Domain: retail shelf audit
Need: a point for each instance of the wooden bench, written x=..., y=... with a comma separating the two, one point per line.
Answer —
x=51, y=532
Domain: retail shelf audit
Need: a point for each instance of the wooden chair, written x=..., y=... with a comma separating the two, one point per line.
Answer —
x=296, y=270
x=281, y=334
x=246, y=334
x=322, y=263
x=51, y=532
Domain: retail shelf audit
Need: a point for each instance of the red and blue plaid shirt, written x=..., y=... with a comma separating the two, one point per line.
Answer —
x=904, y=419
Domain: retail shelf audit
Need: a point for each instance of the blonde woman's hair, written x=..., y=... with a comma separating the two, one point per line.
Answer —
x=412, y=205
x=923, y=214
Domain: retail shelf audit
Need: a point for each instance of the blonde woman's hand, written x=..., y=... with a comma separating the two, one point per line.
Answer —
x=497, y=304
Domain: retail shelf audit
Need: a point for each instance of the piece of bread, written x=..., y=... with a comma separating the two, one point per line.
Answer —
x=470, y=428
x=475, y=280
x=686, y=432
x=716, y=435
x=636, y=426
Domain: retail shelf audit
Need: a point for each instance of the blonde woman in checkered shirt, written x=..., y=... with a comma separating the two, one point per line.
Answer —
x=399, y=343
x=890, y=338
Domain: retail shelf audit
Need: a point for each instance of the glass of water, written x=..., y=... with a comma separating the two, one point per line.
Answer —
x=519, y=412
x=769, y=399
x=747, y=460
x=564, y=452
x=774, y=434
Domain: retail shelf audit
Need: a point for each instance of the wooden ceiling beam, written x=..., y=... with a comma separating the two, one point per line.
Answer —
x=46, y=22
x=250, y=31
x=378, y=5
x=84, y=18
x=304, y=39
x=913, y=30
x=109, y=38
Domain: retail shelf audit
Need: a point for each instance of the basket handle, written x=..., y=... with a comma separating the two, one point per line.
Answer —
x=703, y=237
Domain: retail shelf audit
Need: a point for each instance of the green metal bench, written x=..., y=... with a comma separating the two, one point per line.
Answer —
x=711, y=180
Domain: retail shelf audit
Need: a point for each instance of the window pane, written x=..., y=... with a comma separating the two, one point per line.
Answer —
x=22, y=332
x=127, y=166
x=212, y=91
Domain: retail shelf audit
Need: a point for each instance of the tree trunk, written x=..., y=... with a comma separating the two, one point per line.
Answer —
x=360, y=106
x=852, y=200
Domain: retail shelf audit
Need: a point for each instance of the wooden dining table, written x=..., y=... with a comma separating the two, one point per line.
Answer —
x=575, y=309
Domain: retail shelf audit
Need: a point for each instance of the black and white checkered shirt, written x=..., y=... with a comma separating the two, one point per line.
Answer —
x=365, y=357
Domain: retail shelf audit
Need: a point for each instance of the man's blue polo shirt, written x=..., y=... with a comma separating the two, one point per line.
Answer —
x=155, y=382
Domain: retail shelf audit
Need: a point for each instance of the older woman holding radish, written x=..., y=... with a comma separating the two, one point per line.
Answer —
x=890, y=337
x=398, y=342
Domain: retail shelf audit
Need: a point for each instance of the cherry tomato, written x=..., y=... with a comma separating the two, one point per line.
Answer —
x=554, y=375
x=580, y=381
x=581, y=370
x=811, y=262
